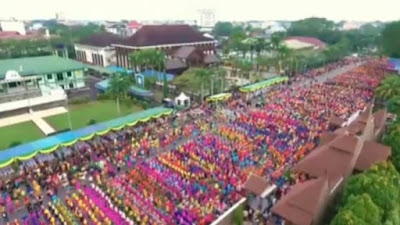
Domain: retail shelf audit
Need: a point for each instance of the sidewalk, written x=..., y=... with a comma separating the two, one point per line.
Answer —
x=35, y=117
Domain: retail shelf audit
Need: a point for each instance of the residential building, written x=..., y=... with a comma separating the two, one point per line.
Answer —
x=176, y=41
x=133, y=27
x=299, y=42
x=13, y=26
x=118, y=29
x=37, y=83
x=97, y=49
x=42, y=71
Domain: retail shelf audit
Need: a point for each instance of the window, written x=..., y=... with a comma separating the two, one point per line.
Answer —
x=60, y=76
x=12, y=85
x=49, y=76
x=71, y=85
x=69, y=74
x=62, y=86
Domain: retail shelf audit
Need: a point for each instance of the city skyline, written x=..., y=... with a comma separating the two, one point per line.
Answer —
x=356, y=10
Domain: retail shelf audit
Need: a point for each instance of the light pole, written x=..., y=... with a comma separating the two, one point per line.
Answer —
x=68, y=113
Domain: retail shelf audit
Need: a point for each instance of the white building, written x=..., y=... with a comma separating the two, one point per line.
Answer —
x=13, y=25
x=97, y=49
x=206, y=18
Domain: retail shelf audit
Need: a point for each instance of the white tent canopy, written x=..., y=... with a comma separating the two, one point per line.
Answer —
x=182, y=100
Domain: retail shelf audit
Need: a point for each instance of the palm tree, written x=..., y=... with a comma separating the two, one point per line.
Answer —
x=119, y=86
x=203, y=75
x=389, y=88
x=276, y=41
x=151, y=59
x=220, y=74
x=245, y=68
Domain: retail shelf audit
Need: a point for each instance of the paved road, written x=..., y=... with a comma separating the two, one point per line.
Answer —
x=333, y=73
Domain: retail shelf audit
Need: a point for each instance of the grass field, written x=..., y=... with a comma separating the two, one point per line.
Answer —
x=89, y=113
x=18, y=134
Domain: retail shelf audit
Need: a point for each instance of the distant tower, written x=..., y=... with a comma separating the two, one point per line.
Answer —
x=206, y=18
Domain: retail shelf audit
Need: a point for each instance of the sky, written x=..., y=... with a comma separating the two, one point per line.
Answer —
x=225, y=10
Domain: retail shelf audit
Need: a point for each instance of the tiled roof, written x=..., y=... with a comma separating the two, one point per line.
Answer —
x=309, y=40
x=371, y=153
x=134, y=24
x=101, y=39
x=336, y=121
x=172, y=64
x=301, y=204
x=184, y=51
x=380, y=118
x=256, y=184
x=151, y=35
x=209, y=59
x=39, y=65
x=333, y=159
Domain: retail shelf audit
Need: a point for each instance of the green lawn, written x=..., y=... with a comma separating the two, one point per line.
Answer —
x=88, y=113
x=18, y=134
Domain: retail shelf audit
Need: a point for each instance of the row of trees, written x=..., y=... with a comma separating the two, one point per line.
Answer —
x=390, y=39
x=272, y=53
x=66, y=35
x=371, y=198
x=389, y=93
x=120, y=84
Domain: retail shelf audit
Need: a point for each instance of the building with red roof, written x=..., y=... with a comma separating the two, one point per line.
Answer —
x=300, y=42
x=133, y=27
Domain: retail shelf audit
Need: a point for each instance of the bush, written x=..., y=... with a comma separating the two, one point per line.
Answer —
x=238, y=215
x=103, y=96
x=79, y=101
x=92, y=121
x=145, y=105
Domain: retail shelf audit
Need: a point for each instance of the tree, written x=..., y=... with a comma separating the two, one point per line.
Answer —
x=359, y=209
x=245, y=69
x=223, y=29
x=203, y=75
x=151, y=59
x=321, y=28
x=261, y=45
x=220, y=75
x=346, y=217
x=380, y=183
x=390, y=39
x=119, y=86
x=235, y=40
x=389, y=88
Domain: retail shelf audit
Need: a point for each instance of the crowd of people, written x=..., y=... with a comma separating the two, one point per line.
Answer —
x=188, y=168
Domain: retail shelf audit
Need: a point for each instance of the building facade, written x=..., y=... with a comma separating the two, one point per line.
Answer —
x=13, y=26
x=97, y=49
x=44, y=72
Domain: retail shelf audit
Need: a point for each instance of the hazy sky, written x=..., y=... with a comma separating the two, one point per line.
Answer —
x=361, y=10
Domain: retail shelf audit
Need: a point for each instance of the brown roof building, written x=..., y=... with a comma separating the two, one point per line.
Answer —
x=348, y=149
x=336, y=159
x=304, y=203
x=97, y=49
x=176, y=41
x=371, y=153
x=258, y=185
